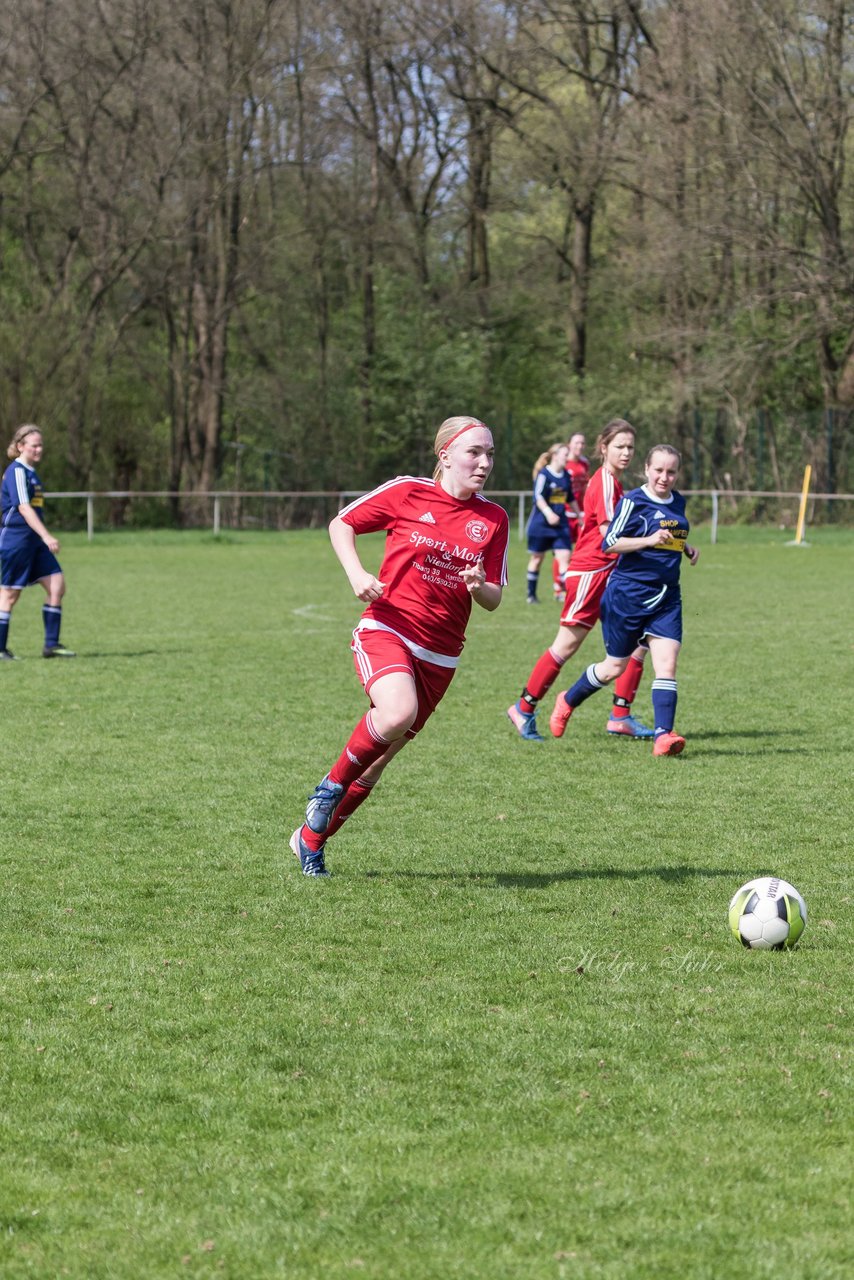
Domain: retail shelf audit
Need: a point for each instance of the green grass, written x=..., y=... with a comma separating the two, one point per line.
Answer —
x=511, y=1037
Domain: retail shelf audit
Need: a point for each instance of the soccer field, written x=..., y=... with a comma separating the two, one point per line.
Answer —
x=511, y=1037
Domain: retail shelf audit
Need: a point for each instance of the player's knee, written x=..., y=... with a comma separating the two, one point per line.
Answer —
x=393, y=721
x=610, y=669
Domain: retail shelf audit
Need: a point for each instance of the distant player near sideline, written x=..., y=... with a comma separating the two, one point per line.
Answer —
x=27, y=549
x=585, y=584
x=643, y=599
x=548, y=524
x=446, y=546
x=578, y=467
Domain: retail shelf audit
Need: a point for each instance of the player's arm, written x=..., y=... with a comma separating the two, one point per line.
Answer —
x=655, y=539
x=343, y=538
x=617, y=542
x=571, y=505
x=550, y=515
x=693, y=553
x=486, y=594
x=38, y=526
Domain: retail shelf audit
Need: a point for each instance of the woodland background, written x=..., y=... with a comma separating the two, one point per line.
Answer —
x=273, y=243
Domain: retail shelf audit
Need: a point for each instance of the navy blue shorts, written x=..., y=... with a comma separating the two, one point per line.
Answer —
x=627, y=618
x=543, y=536
x=24, y=561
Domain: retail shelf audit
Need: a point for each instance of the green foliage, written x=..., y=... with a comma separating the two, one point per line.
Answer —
x=511, y=1036
x=294, y=288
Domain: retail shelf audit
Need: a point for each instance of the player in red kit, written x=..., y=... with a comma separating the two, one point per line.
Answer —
x=578, y=470
x=585, y=584
x=446, y=546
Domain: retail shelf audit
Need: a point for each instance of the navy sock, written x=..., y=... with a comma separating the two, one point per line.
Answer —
x=52, y=618
x=663, y=705
x=585, y=686
x=533, y=579
x=4, y=628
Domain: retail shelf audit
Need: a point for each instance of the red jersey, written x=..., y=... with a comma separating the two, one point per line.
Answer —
x=579, y=472
x=431, y=536
x=600, y=502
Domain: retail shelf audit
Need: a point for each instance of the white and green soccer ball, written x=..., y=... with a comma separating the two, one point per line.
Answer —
x=767, y=914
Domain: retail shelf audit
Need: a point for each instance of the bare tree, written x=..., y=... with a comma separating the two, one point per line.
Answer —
x=797, y=86
x=586, y=54
x=80, y=119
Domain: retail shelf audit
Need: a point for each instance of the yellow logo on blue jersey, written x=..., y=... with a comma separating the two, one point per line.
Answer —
x=678, y=536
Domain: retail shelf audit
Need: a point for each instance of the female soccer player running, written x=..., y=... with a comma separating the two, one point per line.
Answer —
x=27, y=548
x=585, y=584
x=446, y=546
x=643, y=600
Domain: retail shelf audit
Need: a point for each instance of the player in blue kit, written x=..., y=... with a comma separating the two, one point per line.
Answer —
x=548, y=525
x=642, y=600
x=27, y=548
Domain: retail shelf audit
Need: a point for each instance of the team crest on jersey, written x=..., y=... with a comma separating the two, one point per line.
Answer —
x=477, y=530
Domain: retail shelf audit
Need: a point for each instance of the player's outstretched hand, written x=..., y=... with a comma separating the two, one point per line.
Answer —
x=474, y=575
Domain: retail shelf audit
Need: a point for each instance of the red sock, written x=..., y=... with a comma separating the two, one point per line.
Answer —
x=625, y=688
x=311, y=838
x=355, y=795
x=557, y=576
x=364, y=747
x=541, y=679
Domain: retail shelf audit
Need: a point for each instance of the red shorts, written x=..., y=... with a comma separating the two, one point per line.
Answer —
x=379, y=653
x=583, y=601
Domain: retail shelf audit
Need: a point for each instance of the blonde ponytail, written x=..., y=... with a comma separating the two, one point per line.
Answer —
x=19, y=437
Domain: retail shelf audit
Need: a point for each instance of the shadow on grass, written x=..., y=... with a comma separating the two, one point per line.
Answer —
x=542, y=879
x=127, y=653
x=754, y=752
x=706, y=735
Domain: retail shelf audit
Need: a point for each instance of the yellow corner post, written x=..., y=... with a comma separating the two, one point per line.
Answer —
x=802, y=513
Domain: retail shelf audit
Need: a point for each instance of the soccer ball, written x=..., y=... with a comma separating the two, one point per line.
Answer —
x=767, y=914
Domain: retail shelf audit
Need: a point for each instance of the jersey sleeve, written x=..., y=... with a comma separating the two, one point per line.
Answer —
x=495, y=555
x=20, y=487
x=376, y=510
x=627, y=523
x=599, y=501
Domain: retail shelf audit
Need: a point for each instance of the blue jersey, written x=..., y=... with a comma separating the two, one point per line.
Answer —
x=638, y=515
x=20, y=485
x=554, y=489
